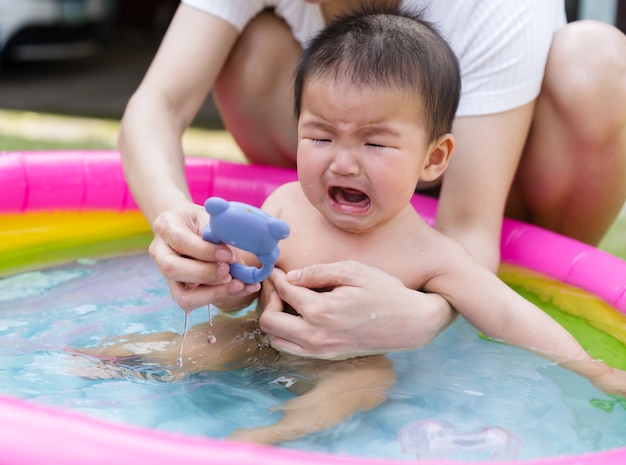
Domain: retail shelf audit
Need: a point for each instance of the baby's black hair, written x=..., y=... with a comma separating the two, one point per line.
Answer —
x=389, y=47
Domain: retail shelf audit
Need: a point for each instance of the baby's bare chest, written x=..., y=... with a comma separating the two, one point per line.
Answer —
x=403, y=257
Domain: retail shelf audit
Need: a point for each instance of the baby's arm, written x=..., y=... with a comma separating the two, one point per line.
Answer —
x=341, y=389
x=502, y=314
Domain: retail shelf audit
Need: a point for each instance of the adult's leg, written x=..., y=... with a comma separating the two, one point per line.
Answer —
x=572, y=175
x=254, y=91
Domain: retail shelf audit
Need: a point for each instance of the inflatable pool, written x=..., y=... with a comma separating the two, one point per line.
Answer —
x=59, y=206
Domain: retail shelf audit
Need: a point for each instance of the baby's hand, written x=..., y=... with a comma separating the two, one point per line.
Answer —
x=612, y=382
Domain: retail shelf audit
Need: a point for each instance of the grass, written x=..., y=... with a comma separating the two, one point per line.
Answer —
x=614, y=241
x=14, y=144
x=36, y=131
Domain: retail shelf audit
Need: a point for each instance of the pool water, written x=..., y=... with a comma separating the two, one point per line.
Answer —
x=462, y=397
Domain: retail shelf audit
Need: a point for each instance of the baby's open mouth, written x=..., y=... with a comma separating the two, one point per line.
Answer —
x=349, y=197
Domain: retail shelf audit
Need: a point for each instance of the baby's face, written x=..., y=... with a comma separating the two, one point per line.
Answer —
x=361, y=151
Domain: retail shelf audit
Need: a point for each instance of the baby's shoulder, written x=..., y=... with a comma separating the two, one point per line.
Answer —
x=287, y=188
x=283, y=198
x=431, y=251
x=285, y=191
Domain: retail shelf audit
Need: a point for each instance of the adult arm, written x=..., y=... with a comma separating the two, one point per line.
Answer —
x=178, y=81
x=503, y=52
x=478, y=179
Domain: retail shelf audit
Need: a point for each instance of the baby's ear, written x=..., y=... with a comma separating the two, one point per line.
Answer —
x=439, y=153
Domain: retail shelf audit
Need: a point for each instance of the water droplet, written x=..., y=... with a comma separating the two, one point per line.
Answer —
x=179, y=360
x=373, y=316
x=211, y=339
x=210, y=315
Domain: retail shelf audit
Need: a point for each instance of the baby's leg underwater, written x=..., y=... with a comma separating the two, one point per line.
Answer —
x=233, y=341
x=151, y=348
x=341, y=389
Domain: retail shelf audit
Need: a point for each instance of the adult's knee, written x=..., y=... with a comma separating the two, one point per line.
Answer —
x=590, y=52
x=585, y=79
x=258, y=66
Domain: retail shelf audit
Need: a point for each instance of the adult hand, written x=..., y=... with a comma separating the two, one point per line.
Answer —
x=197, y=271
x=366, y=311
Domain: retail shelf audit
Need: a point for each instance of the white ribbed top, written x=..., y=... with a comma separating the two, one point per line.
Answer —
x=502, y=45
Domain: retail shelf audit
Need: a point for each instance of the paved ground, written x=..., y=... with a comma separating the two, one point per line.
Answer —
x=98, y=86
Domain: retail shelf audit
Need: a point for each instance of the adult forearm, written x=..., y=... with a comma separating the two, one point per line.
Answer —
x=478, y=180
x=150, y=142
x=482, y=243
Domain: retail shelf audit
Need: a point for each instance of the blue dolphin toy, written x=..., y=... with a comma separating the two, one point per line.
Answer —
x=248, y=228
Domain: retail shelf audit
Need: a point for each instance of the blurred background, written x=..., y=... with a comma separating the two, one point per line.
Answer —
x=68, y=67
x=79, y=57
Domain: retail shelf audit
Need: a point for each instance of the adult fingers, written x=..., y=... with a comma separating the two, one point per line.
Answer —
x=185, y=269
x=305, y=334
x=282, y=327
x=181, y=230
x=301, y=298
x=191, y=297
x=294, y=335
x=328, y=275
